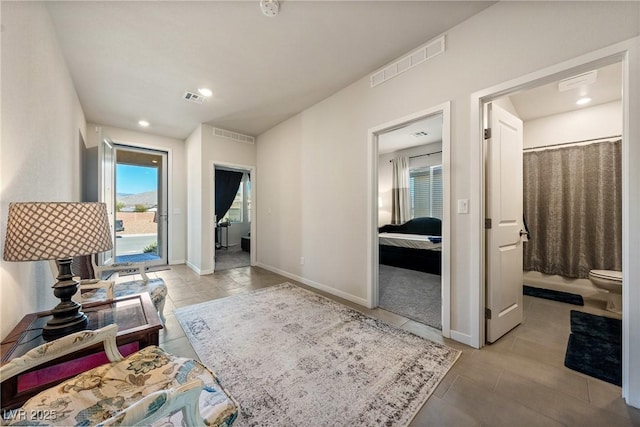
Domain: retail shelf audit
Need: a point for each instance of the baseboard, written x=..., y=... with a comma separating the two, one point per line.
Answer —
x=177, y=262
x=197, y=270
x=461, y=338
x=362, y=301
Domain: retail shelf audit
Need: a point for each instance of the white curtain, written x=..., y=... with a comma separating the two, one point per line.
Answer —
x=400, y=198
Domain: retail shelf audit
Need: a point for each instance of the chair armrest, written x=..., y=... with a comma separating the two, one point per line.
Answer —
x=160, y=404
x=61, y=347
x=107, y=285
x=122, y=266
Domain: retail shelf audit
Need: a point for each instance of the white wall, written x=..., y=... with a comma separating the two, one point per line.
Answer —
x=586, y=123
x=41, y=122
x=177, y=220
x=194, y=199
x=385, y=173
x=322, y=216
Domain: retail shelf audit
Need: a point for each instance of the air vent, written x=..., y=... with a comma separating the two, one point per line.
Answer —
x=418, y=56
x=193, y=97
x=580, y=80
x=238, y=137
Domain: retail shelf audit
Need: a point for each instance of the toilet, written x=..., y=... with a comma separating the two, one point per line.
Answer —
x=611, y=281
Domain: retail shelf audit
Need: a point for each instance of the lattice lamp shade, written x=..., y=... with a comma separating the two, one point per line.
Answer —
x=52, y=230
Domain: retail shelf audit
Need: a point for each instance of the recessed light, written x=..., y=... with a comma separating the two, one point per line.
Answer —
x=205, y=92
x=143, y=123
x=583, y=101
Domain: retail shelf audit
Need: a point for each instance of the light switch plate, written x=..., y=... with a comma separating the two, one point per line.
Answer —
x=463, y=206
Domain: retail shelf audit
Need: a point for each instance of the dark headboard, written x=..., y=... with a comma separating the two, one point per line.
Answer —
x=425, y=225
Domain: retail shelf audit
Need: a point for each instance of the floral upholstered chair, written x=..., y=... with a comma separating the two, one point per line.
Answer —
x=149, y=387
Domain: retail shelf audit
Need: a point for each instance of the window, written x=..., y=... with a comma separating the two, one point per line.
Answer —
x=425, y=186
x=240, y=210
x=234, y=214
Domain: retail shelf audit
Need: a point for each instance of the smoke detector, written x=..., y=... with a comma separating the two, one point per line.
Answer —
x=269, y=7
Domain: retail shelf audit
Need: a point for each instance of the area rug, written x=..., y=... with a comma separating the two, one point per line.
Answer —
x=550, y=294
x=595, y=346
x=411, y=294
x=294, y=358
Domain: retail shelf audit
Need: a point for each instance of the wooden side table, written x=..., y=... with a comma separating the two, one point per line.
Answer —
x=138, y=326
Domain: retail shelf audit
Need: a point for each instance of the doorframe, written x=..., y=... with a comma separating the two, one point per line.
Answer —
x=372, y=207
x=212, y=207
x=628, y=53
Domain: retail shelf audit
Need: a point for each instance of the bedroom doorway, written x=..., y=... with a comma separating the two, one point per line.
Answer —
x=410, y=223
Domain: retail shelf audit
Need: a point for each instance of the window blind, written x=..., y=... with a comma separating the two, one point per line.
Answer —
x=425, y=187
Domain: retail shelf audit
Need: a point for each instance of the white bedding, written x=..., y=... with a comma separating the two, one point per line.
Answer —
x=414, y=241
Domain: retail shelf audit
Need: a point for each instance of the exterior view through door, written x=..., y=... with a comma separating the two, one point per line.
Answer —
x=134, y=186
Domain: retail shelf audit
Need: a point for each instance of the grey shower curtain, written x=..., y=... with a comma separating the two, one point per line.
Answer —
x=573, y=207
x=400, y=197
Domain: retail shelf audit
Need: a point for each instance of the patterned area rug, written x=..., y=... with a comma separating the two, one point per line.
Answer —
x=294, y=358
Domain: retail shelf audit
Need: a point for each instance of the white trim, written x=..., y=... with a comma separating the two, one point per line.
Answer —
x=462, y=338
x=177, y=262
x=316, y=285
x=629, y=53
x=197, y=270
x=212, y=205
x=372, y=211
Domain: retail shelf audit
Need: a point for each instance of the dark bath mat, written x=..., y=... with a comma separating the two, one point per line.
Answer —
x=604, y=328
x=553, y=295
x=595, y=347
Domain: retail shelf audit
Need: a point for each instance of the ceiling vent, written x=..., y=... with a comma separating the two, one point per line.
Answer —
x=238, y=137
x=578, y=81
x=193, y=97
x=407, y=62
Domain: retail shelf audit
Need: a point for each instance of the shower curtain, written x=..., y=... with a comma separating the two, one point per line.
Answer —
x=573, y=207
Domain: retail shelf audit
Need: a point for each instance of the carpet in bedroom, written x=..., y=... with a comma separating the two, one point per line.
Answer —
x=291, y=357
x=412, y=294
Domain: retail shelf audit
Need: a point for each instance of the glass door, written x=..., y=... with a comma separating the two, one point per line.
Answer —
x=140, y=205
x=106, y=186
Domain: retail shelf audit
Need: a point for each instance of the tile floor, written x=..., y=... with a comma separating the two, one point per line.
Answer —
x=518, y=381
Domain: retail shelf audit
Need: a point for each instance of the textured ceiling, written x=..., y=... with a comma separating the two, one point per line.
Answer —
x=134, y=60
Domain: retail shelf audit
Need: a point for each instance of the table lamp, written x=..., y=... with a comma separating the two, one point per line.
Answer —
x=58, y=231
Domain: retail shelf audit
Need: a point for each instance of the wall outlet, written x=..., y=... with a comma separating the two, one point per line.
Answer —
x=301, y=260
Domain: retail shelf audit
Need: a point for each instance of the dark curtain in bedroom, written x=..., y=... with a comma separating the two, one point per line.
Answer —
x=573, y=207
x=227, y=183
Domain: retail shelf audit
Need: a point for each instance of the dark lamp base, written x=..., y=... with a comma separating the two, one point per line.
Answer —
x=67, y=317
x=57, y=327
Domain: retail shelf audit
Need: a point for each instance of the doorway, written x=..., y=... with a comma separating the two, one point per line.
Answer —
x=133, y=183
x=232, y=200
x=545, y=105
x=430, y=167
x=140, y=205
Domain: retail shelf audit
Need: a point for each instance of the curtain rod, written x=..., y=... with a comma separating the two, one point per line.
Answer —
x=421, y=155
x=573, y=142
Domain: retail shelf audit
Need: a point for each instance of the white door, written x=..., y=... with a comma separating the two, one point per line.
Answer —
x=503, y=223
x=106, y=189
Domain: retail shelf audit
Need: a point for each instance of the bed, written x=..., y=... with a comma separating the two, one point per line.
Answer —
x=414, y=245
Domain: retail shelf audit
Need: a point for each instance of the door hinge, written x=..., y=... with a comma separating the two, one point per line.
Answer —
x=487, y=223
x=487, y=313
x=487, y=133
